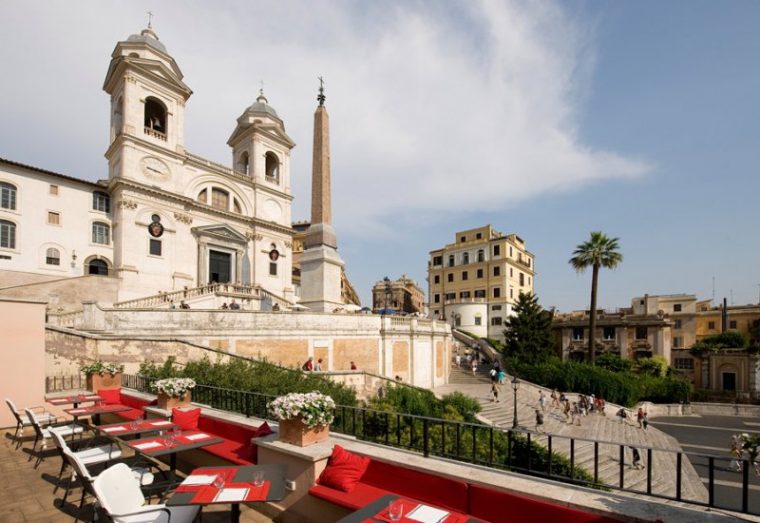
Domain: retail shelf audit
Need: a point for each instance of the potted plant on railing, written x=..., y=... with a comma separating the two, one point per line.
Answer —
x=102, y=376
x=173, y=392
x=304, y=418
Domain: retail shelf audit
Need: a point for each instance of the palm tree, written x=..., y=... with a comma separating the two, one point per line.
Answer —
x=599, y=251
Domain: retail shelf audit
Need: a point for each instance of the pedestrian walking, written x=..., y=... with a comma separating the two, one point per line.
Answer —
x=502, y=376
x=542, y=400
x=495, y=392
x=576, y=414
x=539, y=421
x=458, y=360
x=637, y=464
x=566, y=410
x=645, y=421
x=736, y=451
x=640, y=417
x=494, y=375
x=621, y=414
x=555, y=398
x=474, y=367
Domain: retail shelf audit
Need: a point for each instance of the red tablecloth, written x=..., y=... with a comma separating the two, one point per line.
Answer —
x=206, y=493
x=410, y=505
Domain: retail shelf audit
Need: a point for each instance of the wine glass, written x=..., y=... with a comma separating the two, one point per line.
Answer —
x=258, y=478
x=395, y=510
x=134, y=425
x=219, y=481
x=176, y=432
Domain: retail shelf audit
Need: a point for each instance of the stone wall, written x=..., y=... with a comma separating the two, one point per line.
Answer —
x=64, y=293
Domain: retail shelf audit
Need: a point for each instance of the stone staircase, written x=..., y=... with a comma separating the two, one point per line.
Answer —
x=606, y=430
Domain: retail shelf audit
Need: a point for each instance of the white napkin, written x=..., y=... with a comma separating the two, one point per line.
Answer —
x=197, y=436
x=96, y=397
x=199, y=479
x=114, y=429
x=426, y=514
x=77, y=411
x=149, y=445
x=231, y=494
x=160, y=423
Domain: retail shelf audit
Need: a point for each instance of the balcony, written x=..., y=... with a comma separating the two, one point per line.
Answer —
x=155, y=134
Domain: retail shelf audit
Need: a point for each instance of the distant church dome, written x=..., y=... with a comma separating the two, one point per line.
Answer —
x=261, y=105
x=149, y=37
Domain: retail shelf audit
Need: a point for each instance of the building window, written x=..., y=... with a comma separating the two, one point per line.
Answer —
x=677, y=307
x=155, y=247
x=436, y=298
x=7, y=234
x=608, y=333
x=577, y=333
x=437, y=260
x=458, y=320
x=677, y=324
x=480, y=293
x=272, y=268
x=496, y=308
x=732, y=324
x=101, y=202
x=464, y=295
x=203, y=196
x=272, y=167
x=243, y=165
x=479, y=273
x=437, y=278
x=464, y=275
x=451, y=296
x=496, y=250
x=641, y=333
x=53, y=190
x=511, y=273
x=155, y=118
x=465, y=258
x=54, y=218
x=478, y=236
x=450, y=277
x=676, y=342
x=497, y=292
x=101, y=233
x=97, y=267
x=511, y=292
x=220, y=199
x=53, y=256
x=481, y=255
x=478, y=320
x=522, y=280
x=497, y=271
x=7, y=196
x=684, y=363
x=496, y=321
x=462, y=239
x=711, y=325
x=451, y=260
x=510, y=251
x=236, y=206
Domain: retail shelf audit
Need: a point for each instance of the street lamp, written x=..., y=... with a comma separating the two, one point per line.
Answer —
x=515, y=385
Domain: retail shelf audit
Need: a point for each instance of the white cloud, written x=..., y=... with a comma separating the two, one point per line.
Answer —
x=434, y=107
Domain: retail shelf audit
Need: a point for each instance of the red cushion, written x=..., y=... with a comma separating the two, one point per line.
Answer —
x=131, y=414
x=227, y=430
x=232, y=451
x=263, y=430
x=489, y=504
x=134, y=402
x=110, y=396
x=344, y=470
x=186, y=419
x=361, y=496
x=428, y=487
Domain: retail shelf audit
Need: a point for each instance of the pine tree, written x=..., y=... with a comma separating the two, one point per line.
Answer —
x=528, y=332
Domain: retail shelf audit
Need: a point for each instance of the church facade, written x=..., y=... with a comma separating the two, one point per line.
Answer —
x=164, y=219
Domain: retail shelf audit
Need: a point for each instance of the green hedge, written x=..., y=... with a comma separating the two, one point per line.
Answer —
x=624, y=388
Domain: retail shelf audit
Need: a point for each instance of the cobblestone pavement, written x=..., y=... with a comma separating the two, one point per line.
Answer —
x=27, y=493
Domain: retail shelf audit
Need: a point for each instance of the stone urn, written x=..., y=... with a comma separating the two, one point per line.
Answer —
x=104, y=381
x=296, y=432
x=167, y=402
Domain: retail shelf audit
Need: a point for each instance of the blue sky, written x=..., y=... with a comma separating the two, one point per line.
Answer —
x=545, y=119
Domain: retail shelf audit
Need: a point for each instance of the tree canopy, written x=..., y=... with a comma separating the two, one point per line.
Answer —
x=528, y=332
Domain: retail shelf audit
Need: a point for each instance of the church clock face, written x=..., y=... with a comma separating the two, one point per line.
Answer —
x=154, y=167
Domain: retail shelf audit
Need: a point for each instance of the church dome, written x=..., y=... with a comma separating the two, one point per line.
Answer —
x=147, y=36
x=261, y=105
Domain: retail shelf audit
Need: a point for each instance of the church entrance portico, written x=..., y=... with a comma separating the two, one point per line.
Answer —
x=220, y=266
x=221, y=251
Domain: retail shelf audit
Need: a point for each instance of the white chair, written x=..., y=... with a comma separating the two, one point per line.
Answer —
x=39, y=413
x=44, y=433
x=88, y=456
x=119, y=494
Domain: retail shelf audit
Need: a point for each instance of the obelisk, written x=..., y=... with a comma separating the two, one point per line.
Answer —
x=321, y=265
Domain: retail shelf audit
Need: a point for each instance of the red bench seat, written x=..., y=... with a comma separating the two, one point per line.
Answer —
x=136, y=405
x=237, y=447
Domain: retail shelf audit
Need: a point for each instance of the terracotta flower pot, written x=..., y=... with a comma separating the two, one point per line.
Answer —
x=167, y=402
x=296, y=432
x=105, y=381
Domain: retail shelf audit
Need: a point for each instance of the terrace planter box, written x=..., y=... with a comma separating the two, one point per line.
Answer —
x=296, y=432
x=167, y=402
x=105, y=381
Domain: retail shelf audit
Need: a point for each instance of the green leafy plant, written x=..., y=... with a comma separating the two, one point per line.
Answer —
x=98, y=367
x=528, y=332
x=176, y=387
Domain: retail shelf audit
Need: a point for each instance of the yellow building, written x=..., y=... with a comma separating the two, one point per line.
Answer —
x=475, y=281
x=739, y=318
x=402, y=295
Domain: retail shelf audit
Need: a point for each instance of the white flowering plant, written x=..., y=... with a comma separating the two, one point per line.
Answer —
x=100, y=367
x=173, y=386
x=314, y=408
x=751, y=445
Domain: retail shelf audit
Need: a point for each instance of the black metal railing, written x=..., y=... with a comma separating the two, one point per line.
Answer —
x=518, y=450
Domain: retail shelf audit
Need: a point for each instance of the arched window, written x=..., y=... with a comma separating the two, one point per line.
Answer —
x=481, y=255
x=101, y=202
x=272, y=167
x=53, y=256
x=101, y=233
x=203, y=196
x=97, y=267
x=7, y=196
x=7, y=234
x=220, y=199
x=155, y=117
x=243, y=163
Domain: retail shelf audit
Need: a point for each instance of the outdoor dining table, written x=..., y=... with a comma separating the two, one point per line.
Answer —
x=198, y=488
x=162, y=446
x=136, y=427
x=74, y=400
x=95, y=411
x=377, y=512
